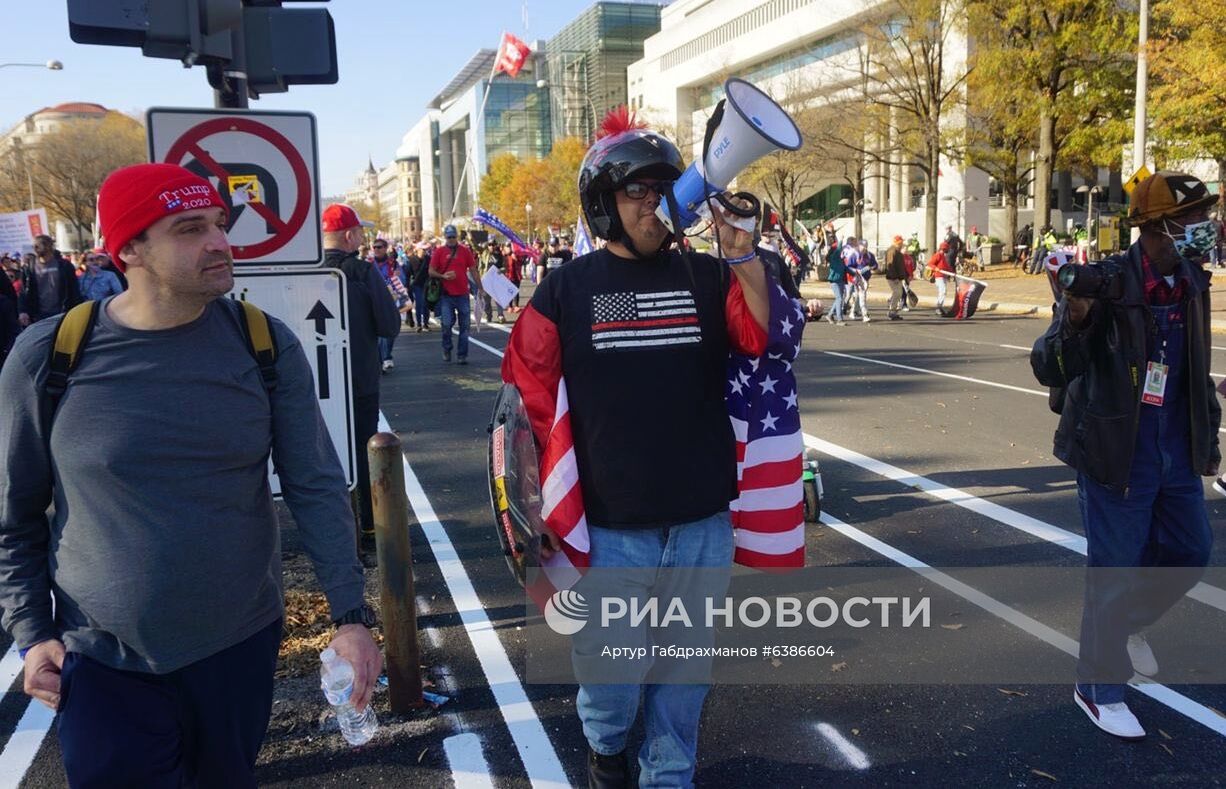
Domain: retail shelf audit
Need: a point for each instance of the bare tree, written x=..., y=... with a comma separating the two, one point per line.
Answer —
x=903, y=77
x=67, y=166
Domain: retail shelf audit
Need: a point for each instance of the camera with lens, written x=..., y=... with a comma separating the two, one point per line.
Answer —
x=1102, y=280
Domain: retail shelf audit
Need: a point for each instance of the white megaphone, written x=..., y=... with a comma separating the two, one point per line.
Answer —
x=754, y=127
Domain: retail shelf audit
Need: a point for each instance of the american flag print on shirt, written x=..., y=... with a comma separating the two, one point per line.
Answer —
x=627, y=320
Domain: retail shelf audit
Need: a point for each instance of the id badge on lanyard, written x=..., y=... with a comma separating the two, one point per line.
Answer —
x=1154, y=392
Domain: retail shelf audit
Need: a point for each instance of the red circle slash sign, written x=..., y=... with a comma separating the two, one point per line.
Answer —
x=189, y=145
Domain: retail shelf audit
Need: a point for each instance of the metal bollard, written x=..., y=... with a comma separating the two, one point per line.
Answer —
x=397, y=601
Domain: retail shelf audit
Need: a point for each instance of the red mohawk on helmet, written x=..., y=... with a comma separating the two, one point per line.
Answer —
x=620, y=119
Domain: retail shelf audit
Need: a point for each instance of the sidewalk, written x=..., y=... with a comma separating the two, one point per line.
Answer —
x=1008, y=292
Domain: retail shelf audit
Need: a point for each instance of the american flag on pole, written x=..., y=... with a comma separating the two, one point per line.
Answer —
x=644, y=320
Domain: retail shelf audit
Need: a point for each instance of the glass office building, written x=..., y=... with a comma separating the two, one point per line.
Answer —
x=585, y=63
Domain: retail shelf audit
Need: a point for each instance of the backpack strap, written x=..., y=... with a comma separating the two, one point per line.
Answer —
x=71, y=334
x=260, y=342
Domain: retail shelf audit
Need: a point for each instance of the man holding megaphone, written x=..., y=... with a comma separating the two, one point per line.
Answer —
x=627, y=347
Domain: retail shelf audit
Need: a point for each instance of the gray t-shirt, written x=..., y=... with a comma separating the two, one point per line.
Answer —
x=164, y=545
x=48, y=278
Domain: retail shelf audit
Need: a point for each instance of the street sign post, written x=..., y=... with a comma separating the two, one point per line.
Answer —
x=265, y=165
x=311, y=302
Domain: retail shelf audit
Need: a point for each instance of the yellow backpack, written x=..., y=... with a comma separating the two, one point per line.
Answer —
x=77, y=325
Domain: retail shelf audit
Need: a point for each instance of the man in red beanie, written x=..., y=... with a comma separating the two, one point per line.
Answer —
x=162, y=554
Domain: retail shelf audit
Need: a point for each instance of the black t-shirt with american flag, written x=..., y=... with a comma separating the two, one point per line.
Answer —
x=643, y=347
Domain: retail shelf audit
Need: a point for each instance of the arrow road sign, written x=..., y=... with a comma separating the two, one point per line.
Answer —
x=319, y=313
x=311, y=302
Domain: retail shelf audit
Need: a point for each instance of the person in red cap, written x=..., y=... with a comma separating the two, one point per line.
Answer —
x=148, y=607
x=372, y=314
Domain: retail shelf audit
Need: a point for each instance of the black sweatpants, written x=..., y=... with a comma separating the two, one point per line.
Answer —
x=365, y=425
x=199, y=726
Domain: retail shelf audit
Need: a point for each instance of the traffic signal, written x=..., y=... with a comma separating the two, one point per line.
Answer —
x=283, y=46
x=288, y=46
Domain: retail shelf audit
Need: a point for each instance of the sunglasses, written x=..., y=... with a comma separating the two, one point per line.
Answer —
x=637, y=190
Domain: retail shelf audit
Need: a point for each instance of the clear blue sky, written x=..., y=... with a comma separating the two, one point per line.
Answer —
x=394, y=57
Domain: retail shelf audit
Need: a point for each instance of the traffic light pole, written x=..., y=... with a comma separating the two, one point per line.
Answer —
x=233, y=93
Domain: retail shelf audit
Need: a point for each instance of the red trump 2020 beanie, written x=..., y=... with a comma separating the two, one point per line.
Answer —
x=133, y=198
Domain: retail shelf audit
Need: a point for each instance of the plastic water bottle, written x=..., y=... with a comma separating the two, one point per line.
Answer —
x=336, y=679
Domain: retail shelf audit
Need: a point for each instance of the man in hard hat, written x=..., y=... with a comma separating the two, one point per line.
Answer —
x=1128, y=355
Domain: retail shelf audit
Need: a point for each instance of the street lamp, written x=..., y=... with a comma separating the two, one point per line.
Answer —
x=588, y=129
x=960, y=201
x=54, y=65
x=1091, y=228
x=528, y=211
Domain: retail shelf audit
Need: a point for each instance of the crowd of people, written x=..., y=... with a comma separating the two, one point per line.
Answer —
x=171, y=614
x=44, y=283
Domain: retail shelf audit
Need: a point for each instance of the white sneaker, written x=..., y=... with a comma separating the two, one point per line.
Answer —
x=387, y=365
x=1114, y=719
x=1143, y=660
x=865, y=319
x=1219, y=484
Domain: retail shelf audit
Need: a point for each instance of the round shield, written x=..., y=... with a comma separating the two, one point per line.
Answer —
x=515, y=486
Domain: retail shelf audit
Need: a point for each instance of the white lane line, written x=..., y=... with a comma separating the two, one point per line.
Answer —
x=1160, y=693
x=10, y=667
x=433, y=637
x=469, y=769
x=1209, y=595
x=936, y=372
x=20, y=750
x=854, y=757
x=951, y=375
x=478, y=343
x=1216, y=348
x=1015, y=347
x=531, y=741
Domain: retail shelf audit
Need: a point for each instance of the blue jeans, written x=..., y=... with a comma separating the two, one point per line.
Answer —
x=840, y=293
x=385, y=348
x=420, y=306
x=1161, y=523
x=449, y=308
x=671, y=712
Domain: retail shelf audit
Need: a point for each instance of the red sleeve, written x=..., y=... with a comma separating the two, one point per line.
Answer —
x=434, y=258
x=746, y=336
x=533, y=362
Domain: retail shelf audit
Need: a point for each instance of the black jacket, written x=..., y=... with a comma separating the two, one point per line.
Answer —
x=1103, y=368
x=372, y=314
x=70, y=290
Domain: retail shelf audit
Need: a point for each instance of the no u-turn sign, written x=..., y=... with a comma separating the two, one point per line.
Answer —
x=266, y=167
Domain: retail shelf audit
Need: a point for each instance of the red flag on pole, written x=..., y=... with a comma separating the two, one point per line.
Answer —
x=512, y=54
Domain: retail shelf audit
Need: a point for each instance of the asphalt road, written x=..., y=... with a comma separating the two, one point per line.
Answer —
x=935, y=446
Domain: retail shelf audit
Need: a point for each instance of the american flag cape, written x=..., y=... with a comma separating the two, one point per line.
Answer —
x=767, y=516
x=517, y=243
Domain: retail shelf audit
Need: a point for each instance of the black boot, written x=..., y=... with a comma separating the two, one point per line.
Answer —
x=607, y=772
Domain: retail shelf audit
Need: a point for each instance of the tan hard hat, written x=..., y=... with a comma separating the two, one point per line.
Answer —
x=1167, y=194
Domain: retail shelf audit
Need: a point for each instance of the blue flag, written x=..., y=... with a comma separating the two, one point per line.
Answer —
x=583, y=242
x=488, y=219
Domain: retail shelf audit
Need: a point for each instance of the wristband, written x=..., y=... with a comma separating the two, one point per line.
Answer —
x=742, y=259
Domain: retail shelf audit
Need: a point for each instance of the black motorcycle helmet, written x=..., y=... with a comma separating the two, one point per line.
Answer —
x=627, y=151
